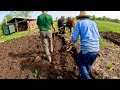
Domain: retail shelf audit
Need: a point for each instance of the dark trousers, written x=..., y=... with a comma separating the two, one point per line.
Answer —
x=85, y=62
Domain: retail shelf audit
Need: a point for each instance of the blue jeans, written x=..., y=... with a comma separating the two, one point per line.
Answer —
x=85, y=62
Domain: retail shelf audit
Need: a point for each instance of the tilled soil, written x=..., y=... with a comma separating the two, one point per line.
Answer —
x=20, y=58
x=112, y=36
x=107, y=66
x=24, y=58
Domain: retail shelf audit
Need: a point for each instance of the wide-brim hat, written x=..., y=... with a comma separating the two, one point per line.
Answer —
x=84, y=14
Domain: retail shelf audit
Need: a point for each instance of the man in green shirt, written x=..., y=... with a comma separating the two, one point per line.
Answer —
x=44, y=22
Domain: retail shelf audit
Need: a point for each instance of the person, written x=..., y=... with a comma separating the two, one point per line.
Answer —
x=61, y=25
x=44, y=22
x=89, y=42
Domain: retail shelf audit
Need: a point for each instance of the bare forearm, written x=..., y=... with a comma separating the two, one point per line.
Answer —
x=53, y=26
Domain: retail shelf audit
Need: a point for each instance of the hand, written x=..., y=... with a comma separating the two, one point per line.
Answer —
x=38, y=31
x=54, y=30
x=70, y=45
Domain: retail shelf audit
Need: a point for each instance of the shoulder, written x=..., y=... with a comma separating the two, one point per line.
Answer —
x=80, y=22
x=39, y=15
x=49, y=15
x=94, y=23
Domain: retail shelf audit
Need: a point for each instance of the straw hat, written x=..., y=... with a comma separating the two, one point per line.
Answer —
x=84, y=14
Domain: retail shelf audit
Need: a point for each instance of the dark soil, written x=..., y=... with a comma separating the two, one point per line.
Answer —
x=112, y=36
x=19, y=58
x=24, y=58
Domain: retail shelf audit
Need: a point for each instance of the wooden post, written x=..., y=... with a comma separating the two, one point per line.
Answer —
x=16, y=24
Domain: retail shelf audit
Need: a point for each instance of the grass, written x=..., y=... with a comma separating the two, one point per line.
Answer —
x=108, y=26
x=17, y=35
x=103, y=42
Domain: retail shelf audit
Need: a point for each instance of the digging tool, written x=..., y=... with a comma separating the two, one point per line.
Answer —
x=70, y=45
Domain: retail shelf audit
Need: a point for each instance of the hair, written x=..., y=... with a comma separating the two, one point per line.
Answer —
x=83, y=17
x=44, y=11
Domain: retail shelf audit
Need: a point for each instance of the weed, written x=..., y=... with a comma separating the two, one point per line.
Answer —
x=109, y=65
x=36, y=73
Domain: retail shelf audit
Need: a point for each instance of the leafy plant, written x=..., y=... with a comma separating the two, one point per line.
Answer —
x=109, y=65
x=35, y=73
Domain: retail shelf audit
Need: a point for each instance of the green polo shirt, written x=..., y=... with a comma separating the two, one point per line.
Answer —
x=44, y=22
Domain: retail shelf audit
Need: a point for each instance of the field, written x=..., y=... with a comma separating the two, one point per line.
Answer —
x=22, y=56
x=108, y=26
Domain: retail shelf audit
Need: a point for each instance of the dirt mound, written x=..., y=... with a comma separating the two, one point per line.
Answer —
x=24, y=58
x=112, y=36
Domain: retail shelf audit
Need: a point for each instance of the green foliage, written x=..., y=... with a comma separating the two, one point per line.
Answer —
x=103, y=42
x=108, y=26
x=109, y=65
x=93, y=18
x=35, y=73
x=104, y=18
x=26, y=14
x=12, y=36
x=108, y=19
x=100, y=18
x=7, y=18
x=77, y=17
x=18, y=34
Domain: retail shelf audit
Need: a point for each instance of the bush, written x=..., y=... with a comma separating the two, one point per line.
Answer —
x=1, y=30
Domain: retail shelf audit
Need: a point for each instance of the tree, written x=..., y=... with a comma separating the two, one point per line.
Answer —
x=77, y=17
x=26, y=14
x=100, y=18
x=94, y=18
x=104, y=18
x=108, y=19
x=56, y=18
x=116, y=20
x=7, y=18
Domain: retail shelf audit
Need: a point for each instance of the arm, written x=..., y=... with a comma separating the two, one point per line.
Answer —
x=37, y=22
x=52, y=22
x=75, y=33
x=53, y=26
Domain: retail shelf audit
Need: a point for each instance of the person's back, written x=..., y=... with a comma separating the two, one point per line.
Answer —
x=44, y=21
x=89, y=35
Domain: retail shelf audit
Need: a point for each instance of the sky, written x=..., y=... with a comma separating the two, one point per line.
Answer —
x=110, y=14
